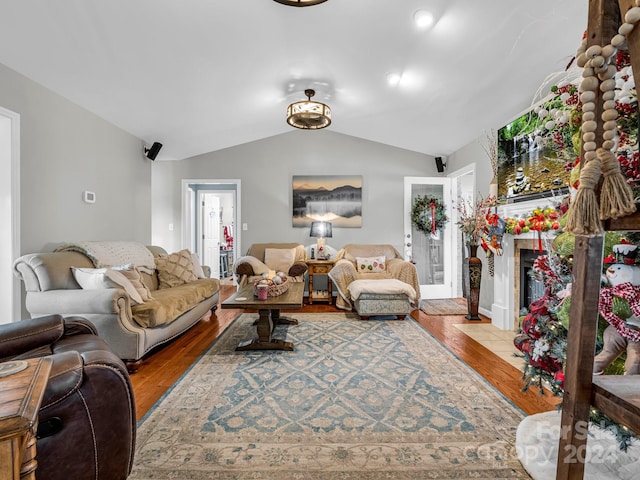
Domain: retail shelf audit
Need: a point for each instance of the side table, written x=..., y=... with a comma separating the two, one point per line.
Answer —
x=320, y=267
x=20, y=397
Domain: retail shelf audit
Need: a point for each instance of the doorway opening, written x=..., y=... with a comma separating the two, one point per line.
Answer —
x=463, y=188
x=212, y=210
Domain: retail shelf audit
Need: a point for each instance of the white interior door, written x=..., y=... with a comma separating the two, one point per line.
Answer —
x=433, y=254
x=210, y=231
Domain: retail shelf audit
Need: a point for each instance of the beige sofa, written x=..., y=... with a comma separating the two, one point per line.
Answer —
x=375, y=280
x=131, y=330
x=255, y=263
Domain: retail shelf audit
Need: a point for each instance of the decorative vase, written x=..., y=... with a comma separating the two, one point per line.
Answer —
x=493, y=187
x=472, y=283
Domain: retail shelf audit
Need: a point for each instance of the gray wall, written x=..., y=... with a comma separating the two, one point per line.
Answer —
x=64, y=151
x=265, y=168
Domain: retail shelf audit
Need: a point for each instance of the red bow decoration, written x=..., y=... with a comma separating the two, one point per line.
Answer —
x=433, y=218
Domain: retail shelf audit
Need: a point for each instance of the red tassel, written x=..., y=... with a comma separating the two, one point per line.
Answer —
x=433, y=218
x=539, y=241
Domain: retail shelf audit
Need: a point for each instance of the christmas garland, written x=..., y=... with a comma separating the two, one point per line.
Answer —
x=428, y=214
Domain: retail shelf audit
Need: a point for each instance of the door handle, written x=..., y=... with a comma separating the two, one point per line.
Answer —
x=408, y=244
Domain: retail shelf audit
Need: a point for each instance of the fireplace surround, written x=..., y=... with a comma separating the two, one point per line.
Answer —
x=506, y=280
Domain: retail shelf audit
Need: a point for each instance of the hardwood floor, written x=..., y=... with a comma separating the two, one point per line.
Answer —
x=163, y=367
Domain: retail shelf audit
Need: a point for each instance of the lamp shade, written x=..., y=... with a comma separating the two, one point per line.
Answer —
x=321, y=229
x=309, y=114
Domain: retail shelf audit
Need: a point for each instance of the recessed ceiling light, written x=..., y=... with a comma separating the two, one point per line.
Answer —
x=423, y=18
x=393, y=79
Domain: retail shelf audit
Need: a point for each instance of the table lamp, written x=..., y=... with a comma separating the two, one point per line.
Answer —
x=320, y=230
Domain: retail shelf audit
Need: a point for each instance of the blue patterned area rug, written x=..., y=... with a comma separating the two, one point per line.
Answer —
x=355, y=400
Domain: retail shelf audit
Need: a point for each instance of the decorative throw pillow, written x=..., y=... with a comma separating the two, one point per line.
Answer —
x=197, y=267
x=371, y=264
x=175, y=269
x=101, y=278
x=133, y=275
x=279, y=259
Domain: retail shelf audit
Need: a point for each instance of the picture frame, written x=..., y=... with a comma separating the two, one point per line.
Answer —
x=535, y=158
x=332, y=198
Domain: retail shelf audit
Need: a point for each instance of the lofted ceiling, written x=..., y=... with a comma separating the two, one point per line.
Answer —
x=203, y=75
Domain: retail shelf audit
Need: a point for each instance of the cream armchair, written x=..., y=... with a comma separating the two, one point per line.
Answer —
x=378, y=272
x=263, y=257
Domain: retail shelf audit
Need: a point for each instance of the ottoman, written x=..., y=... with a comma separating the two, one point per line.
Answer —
x=381, y=297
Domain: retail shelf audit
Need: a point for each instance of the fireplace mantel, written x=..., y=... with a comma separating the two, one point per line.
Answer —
x=504, y=313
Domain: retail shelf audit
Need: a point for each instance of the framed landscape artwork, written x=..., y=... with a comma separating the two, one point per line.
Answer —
x=536, y=153
x=332, y=198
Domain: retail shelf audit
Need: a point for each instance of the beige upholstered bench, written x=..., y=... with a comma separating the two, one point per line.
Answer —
x=381, y=297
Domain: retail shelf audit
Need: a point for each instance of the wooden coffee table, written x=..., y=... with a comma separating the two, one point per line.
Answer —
x=269, y=315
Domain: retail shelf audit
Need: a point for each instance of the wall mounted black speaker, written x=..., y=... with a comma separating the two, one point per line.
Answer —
x=440, y=164
x=152, y=152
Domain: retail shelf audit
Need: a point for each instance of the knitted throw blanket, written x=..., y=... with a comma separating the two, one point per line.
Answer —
x=112, y=253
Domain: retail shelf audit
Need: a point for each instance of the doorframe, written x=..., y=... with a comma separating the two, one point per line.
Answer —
x=202, y=196
x=455, y=194
x=441, y=290
x=189, y=211
x=11, y=162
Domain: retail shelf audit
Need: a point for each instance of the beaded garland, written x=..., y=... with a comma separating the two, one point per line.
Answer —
x=598, y=74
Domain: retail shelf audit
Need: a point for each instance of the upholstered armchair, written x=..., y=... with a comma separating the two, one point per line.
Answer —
x=87, y=418
x=376, y=274
x=289, y=258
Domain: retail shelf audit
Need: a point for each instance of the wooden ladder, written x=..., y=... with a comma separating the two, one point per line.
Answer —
x=616, y=396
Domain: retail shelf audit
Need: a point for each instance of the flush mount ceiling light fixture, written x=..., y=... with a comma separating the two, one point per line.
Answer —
x=308, y=114
x=300, y=3
x=423, y=19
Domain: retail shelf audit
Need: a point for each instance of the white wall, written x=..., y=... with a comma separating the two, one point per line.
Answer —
x=64, y=151
x=266, y=168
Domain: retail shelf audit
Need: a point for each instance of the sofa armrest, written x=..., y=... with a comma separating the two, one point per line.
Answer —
x=405, y=271
x=344, y=267
x=76, y=301
x=69, y=369
x=395, y=265
x=401, y=269
x=297, y=269
x=78, y=326
x=65, y=377
x=342, y=274
x=250, y=266
x=206, y=269
x=20, y=337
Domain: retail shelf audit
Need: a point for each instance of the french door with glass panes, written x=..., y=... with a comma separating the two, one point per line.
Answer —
x=432, y=253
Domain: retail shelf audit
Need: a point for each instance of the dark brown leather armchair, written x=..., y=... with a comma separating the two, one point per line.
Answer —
x=87, y=421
